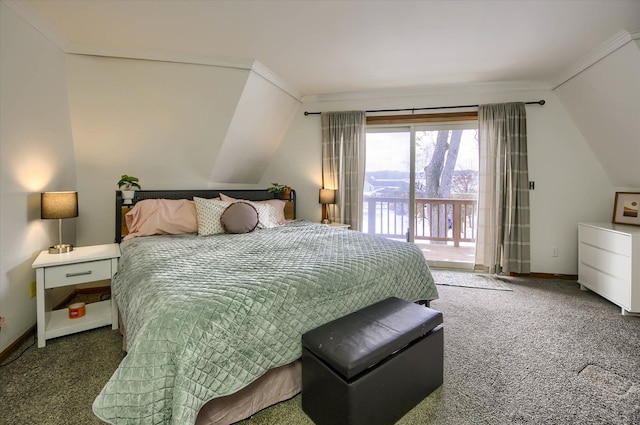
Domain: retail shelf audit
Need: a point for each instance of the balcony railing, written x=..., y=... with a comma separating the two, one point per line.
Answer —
x=445, y=220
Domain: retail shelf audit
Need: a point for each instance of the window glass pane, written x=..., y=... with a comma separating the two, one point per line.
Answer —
x=387, y=183
x=447, y=163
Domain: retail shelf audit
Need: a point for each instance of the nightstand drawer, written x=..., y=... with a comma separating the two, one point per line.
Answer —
x=71, y=274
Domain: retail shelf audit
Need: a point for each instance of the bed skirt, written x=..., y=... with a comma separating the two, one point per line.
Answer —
x=276, y=385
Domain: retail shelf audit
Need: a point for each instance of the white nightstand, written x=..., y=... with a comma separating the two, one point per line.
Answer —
x=83, y=264
x=340, y=225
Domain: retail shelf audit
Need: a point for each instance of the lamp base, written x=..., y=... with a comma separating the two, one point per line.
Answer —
x=61, y=249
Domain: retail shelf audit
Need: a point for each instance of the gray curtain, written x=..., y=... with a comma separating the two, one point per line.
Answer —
x=503, y=204
x=343, y=164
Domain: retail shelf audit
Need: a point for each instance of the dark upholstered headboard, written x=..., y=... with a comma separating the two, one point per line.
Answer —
x=249, y=194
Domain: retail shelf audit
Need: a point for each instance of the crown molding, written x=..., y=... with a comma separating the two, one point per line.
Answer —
x=445, y=89
x=160, y=56
x=614, y=43
x=275, y=79
x=37, y=21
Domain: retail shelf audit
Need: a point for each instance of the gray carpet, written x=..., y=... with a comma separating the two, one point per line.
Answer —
x=544, y=353
x=57, y=384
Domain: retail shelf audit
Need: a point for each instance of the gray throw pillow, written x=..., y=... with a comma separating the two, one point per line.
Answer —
x=239, y=217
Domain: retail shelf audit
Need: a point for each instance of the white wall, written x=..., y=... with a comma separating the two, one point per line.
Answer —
x=36, y=154
x=161, y=122
x=571, y=186
x=172, y=125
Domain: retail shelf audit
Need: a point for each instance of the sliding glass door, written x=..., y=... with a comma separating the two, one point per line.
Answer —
x=421, y=185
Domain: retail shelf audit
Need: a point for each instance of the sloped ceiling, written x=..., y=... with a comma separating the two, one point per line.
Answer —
x=259, y=123
x=315, y=50
x=334, y=46
x=603, y=101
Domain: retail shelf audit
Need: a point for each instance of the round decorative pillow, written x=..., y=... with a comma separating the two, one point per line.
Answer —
x=239, y=217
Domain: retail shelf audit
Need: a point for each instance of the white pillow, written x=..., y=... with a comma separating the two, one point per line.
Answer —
x=209, y=212
x=266, y=215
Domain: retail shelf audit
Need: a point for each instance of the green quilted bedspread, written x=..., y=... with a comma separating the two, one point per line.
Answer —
x=206, y=316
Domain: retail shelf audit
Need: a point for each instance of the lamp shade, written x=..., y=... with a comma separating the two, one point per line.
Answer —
x=58, y=204
x=327, y=196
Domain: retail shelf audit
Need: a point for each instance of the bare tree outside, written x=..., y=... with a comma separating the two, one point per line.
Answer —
x=441, y=178
x=439, y=173
x=465, y=182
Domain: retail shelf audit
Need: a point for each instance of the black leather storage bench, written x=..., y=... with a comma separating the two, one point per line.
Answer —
x=372, y=366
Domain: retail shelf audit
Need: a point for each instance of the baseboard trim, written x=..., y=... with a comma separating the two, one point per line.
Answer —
x=6, y=353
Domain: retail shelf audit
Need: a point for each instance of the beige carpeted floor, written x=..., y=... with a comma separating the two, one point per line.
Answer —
x=543, y=353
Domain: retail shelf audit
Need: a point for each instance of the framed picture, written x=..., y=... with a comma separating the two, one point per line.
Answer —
x=626, y=209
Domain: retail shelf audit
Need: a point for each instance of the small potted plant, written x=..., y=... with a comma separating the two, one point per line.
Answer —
x=281, y=190
x=127, y=185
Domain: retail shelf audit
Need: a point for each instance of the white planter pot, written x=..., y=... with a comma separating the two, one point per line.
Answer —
x=127, y=195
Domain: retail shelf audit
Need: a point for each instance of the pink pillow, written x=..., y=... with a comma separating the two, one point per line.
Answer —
x=278, y=204
x=161, y=217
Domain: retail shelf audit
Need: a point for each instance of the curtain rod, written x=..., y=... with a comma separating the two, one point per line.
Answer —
x=538, y=102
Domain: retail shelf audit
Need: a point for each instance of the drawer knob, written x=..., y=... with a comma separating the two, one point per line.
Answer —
x=79, y=273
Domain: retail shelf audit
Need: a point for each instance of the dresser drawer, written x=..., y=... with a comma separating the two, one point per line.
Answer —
x=613, y=264
x=72, y=274
x=612, y=288
x=610, y=241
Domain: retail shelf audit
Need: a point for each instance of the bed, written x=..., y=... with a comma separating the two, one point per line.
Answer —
x=213, y=323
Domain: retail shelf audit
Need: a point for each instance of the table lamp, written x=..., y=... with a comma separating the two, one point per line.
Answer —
x=327, y=196
x=59, y=205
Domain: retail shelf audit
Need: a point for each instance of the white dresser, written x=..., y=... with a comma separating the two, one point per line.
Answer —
x=609, y=263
